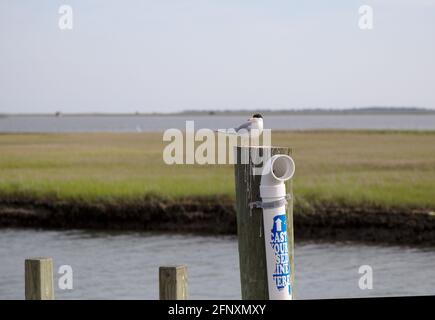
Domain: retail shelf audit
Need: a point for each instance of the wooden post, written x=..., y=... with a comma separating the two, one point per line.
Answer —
x=173, y=283
x=252, y=255
x=39, y=279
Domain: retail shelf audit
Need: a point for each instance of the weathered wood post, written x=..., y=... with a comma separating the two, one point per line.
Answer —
x=252, y=255
x=173, y=283
x=39, y=279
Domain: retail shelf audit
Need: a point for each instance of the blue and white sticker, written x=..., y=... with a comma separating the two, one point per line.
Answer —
x=279, y=242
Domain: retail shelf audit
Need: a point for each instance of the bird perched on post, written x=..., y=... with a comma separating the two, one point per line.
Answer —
x=253, y=127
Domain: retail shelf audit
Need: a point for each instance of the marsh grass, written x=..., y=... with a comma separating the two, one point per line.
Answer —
x=348, y=167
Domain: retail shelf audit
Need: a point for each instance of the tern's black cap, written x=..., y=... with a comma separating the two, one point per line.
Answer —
x=257, y=115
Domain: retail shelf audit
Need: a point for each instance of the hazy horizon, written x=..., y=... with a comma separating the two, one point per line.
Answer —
x=170, y=56
x=357, y=110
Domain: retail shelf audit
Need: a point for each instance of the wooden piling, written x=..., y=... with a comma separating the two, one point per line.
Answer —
x=39, y=279
x=250, y=232
x=173, y=283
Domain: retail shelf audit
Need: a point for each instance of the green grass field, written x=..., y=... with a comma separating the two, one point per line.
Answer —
x=351, y=167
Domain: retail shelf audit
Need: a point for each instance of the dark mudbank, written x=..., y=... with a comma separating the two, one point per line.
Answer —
x=216, y=215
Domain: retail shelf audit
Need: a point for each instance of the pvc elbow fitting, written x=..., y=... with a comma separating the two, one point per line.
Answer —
x=277, y=170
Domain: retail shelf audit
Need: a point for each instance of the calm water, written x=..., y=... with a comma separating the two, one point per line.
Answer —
x=160, y=123
x=125, y=265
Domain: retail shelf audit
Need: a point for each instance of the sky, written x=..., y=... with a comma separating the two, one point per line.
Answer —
x=173, y=55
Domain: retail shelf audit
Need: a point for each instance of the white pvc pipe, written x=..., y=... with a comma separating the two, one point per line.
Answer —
x=276, y=171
